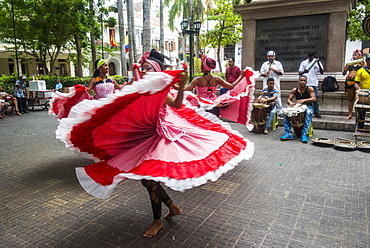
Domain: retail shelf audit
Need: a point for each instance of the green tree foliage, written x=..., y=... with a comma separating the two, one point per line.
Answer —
x=185, y=8
x=43, y=28
x=46, y=28
x=227, y=30
x=356, y=17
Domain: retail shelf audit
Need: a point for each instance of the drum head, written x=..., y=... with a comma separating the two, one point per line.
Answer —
x=323, y=141
x=345, y=145
x=364, y=145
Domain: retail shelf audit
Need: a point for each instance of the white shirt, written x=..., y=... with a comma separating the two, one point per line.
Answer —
x=275, y=65
x=312, y=79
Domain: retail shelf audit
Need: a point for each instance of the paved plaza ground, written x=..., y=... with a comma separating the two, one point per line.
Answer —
x=289, y=194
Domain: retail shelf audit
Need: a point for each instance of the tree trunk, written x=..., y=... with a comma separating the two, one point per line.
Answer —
x=161, y=23
x=146, y=26
x=131, y=32
x=219, y=47
x=122, y=35
x=197, y=48
x=53, y=59
x=79, y=55
x=92, y=37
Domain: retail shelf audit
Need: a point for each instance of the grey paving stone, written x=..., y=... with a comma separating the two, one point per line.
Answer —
x=288, y=195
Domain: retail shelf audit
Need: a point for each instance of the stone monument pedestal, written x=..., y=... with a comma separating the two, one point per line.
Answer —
x=292, y=28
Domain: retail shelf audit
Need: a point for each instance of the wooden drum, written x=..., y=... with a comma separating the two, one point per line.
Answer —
x=296, y=116
x=363, y=96
x=259, y=117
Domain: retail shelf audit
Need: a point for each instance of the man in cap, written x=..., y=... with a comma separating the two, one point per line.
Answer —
x=273, y=69
x=312, y=79
x=20, y=94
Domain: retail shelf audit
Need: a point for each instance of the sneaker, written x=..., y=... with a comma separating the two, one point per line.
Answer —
x=287, y=136
x=304, y=138
x=265, y=131
x=317, y=115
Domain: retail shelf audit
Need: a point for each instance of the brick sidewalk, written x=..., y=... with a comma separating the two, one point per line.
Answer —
x=288, y=195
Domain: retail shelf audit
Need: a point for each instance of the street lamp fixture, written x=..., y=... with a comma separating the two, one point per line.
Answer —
x=193, y=29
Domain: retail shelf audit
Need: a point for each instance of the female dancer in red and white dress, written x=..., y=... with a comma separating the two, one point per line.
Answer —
x=153, y=62
x=235, y=105
x=139, y=133
x=101, y=84
x=206, y=85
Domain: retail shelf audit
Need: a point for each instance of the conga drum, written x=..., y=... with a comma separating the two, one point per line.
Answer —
x=259, y=117
x=296, y=116
x=363, y=96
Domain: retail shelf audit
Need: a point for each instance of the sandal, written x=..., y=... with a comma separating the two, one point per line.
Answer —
x=17, y=113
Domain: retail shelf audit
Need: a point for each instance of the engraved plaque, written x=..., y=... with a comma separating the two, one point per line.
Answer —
x=366, y=25
x=292, y=38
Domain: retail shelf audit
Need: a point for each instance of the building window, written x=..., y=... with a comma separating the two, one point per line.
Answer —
x=157, y=43
x=39, y=69
x=11, y=68
x=25, y=68
x=112, y=68
x=62, y=69
x=229, y=52
x=170, y=46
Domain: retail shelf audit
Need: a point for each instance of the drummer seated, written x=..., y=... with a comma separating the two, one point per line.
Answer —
x=269, y=97
x=303, y=94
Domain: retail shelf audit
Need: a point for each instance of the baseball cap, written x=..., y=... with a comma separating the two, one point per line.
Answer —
x=269, y=53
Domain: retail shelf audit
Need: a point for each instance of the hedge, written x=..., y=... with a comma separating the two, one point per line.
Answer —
x=8, y=82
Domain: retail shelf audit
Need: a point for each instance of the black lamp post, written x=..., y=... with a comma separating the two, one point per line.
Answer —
x=193, y=29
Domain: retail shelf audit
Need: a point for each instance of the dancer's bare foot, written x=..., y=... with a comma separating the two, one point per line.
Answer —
x=348, y=117
x=174, y=210
x=154, y=229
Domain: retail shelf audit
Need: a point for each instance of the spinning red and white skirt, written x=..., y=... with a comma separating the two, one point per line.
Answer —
x=236, y=104
x=131, y=135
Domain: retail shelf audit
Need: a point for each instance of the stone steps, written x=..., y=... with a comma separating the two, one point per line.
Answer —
x=333, y=105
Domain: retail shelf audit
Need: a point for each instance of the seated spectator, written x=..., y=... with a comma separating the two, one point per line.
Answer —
x=58, y=85
x=269, y=96
x=304, y=95
x=11, y=100
x=3, y=107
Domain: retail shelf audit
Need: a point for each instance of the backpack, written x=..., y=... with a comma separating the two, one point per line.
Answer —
x=329, y=84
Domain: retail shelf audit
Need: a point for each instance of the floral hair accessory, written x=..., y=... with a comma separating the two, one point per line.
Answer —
x=358, y=51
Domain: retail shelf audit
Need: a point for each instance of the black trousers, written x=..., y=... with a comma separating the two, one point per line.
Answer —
x=22, y=104
x=157, y=196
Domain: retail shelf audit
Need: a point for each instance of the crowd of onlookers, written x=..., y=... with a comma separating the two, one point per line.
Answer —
x=16, y=102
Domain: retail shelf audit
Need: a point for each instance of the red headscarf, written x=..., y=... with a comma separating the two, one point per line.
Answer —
x=155, y=65
x=208, y=63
